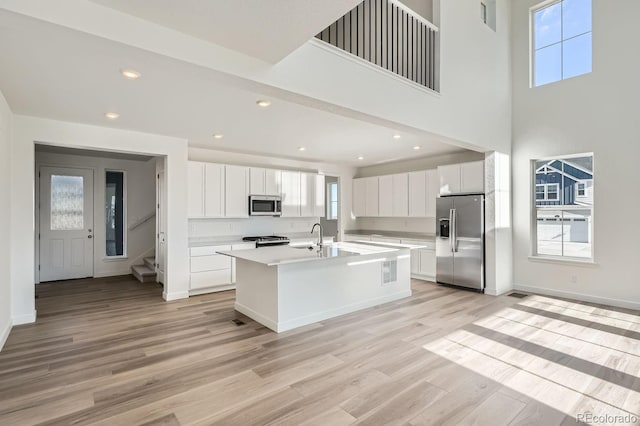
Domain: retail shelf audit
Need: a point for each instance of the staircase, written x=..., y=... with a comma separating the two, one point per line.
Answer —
x=145, y=273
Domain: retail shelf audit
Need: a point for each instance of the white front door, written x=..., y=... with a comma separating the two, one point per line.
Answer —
x=66, y=223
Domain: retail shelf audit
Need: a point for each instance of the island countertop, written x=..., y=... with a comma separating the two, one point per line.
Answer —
x=281, y=255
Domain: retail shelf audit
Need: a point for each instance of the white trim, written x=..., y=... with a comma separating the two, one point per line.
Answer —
x=363, y=62
x=569, y=261
x=579, y=296
x=216, y=289
x=112, y=273
x=5, y=334
x=25, y=319
x=168, y=297
x=421, y=277
x=115, y=258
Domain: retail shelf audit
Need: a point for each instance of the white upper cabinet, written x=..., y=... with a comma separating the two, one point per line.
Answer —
x=472, y=177
x=418, y=194
x=195, y=188
x=358, y=196
x=465, y=178
x=236, y=191
x=257, y=181
x=307, y=194
x=290, y=194
x=385, y=191
x=449, y=179
x=319, y=194
x=214, y=190
x=273, y=182
x=431, y=180
x=371, y=197
x=401, y=195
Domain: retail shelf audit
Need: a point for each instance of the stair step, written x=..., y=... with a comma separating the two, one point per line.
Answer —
x=150, y=262
x=143, y=273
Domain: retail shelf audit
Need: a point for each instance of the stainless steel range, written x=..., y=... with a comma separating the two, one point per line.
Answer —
x=267, y=241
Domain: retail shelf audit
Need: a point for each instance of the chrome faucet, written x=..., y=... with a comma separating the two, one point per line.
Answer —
x=320, y=240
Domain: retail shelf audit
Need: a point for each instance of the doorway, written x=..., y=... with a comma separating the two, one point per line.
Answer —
x=66, y=223
x=330, y=221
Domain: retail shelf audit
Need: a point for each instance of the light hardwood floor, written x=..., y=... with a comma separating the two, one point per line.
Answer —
x=110, y=351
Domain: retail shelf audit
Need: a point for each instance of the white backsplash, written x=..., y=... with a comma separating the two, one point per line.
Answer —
x=203, y=228
x=398, y=224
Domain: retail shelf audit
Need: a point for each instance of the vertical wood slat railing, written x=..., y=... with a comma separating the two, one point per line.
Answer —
x=388, y=34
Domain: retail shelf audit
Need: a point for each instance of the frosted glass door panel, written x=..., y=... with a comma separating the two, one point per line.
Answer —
x=67, y=203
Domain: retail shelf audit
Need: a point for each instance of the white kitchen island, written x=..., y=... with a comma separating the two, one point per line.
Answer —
x=286, y=287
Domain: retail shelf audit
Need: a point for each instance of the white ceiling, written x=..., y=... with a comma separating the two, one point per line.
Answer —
x=265, y=29
x=54, y=72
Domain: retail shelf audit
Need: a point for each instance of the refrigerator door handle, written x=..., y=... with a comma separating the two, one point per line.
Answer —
x=454, y=231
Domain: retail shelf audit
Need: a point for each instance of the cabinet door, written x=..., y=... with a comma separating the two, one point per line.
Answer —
x=417, y=194
x=371, y=197
x=359, y=197
x=214, y=190
x=290, y=194
x=401, y=195
x=257, y=181
x=385, y=196
x=449, y=179
x=195, y=188
x=428, y=262
x=432, y=190
x=472, y=177
x=307, y=194
x=236, y=191
x=319, y=196
x=415, y=262
x=273, y=182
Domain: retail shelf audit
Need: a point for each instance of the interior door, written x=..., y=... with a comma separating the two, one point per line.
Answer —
x=444, y=251
x=66, y=223
x=469, y=233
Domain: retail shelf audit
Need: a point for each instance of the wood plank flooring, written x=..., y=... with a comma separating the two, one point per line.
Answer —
x=110, y=351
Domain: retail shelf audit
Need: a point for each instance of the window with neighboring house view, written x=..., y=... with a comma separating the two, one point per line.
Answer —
x=563, y=192
x=561, y=40
x=332, y=198
x=115, y=213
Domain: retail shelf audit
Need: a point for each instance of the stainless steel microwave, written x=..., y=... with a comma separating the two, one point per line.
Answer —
x=265, y=205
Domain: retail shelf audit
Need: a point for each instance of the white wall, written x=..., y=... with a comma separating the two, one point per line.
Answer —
x=423, y=8
x=597, y=112
x=27, y=131
x=6, y=119
x=345, y=174
x=141, y=195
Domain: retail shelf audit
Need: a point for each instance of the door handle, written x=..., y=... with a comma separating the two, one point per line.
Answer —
x=451, y=229
x=90, y=236
x=454, y=231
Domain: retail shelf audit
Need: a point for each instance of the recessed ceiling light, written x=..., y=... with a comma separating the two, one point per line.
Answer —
x=112, y=115
x=417, y=147
x=302, y=148
x=361, y=158
x=218, y=136
x=263, y=103
x=130, y=74
x=396, y=136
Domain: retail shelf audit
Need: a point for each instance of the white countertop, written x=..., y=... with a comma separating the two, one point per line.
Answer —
x=280, y=255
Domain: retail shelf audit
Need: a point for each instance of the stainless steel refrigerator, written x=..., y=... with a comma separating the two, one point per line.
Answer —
x=460, y=241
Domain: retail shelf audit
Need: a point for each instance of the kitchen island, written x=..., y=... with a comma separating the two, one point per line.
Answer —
x=286, y=287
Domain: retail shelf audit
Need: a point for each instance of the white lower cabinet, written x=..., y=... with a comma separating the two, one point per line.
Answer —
x=211, y=272
x=423, y=260
x=427, y=263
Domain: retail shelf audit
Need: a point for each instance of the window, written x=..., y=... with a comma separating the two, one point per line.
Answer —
x=114, y=213
x=332, y=197
x=547, y=192
x=561, y=40
x=67, y=203
x=563, y=207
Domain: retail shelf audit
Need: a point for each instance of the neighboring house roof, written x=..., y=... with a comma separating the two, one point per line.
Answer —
x=573, y=171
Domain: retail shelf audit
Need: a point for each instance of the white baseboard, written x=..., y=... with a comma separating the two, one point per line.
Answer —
x=492, y=292
x=168, y=297
x=112, y=273
x=24, y=319
x=4, y=334
x=280, y=326
x=200, y=291
x=424, y=277
x=579, y=296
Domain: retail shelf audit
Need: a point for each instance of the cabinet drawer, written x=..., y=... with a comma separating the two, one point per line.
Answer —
x=210, y=263
x=211, y=278
x=208, y=250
